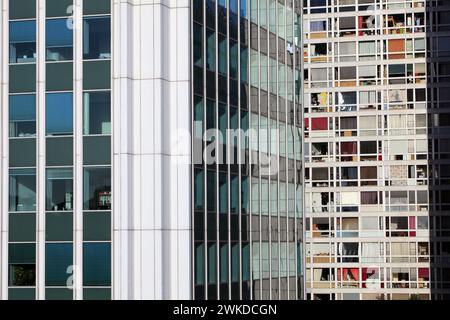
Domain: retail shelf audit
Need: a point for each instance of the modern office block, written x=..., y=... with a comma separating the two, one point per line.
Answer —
x=376, y=87
x=151, y=149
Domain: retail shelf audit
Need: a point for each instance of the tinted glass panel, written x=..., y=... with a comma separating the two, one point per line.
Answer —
x=97, y=294
x=59, y=76
x=97, y=38
x=96, y=75
x=22, y=190
x=97, y=189
x=59, y=189
x=59, y=114
x=21, y=294
x=59, y=226
x=59, y=8
x=22, y=9
x=22, y=227
x=22, y=78
x=96, y=226
x=97, y=150
x=59, y=152
x=59, y=38
x=58, y=294
x=22, y=41
x=96, y=264
x=22, y=115
x=58, y=258
x=97, y=114
x=22, y=152
x=96, y=6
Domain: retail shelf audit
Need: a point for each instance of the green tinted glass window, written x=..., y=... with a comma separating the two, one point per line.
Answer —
x=97, y=150
x=96, y=226
x=59, y=76
x=22, y=78
x=59, y=226
x=96, y=294
x=59, y=151
x=22, y=190
x=22, y=152
x=96, y=75
x=22, y=9
x=22, y=227
x=96, y=7
x=59, y=8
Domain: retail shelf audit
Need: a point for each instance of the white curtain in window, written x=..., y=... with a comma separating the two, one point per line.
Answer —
x=368, y=122
x=398, y=146
x=370, y=252
x=368, y=71
x=367, y=47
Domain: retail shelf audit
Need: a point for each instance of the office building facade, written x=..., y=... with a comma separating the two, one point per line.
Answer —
x=114, y=115
x=376, y=87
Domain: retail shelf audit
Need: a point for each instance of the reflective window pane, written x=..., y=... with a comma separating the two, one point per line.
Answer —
x=59, y=114
x=22, y=115
x=22, y=9
x=22, y=264
x=59, y=189
x=97, y=189
x=22, y=41
x=96, y=264
x=97, y=114
x=58, y=258
x=22, y=190
x=97, y=38
x=59, y=8
x=59, y=37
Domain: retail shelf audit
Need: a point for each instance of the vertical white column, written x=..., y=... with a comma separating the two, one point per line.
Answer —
x=122, y=206
x=4, y=149
x=40, y=164
x=78, y=150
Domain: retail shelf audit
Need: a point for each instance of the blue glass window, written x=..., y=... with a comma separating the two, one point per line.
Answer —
x=58, y=259
x=96, y=264
x=59, y=35
x=22, y=41
x=97, y=38
x=22, y=115
x=59, y=114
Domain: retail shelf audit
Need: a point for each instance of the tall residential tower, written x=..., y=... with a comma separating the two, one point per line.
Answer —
x=376, y=145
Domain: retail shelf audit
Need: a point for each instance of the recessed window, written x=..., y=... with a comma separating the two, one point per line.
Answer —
x=22, y=115
x=97, y=189
x=22, y=190
x=59, y=37
x=22, y=264
x=97, y=113
x=59, y=114
x=59, y=189
x=97, y=38
x=22, y=41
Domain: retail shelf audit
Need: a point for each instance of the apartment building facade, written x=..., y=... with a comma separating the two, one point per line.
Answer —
x=375, y=99
x=109, y=108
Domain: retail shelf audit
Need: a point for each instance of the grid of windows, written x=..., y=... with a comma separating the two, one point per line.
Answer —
x=42, y=161
x=370, y=171
x=247, y=222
